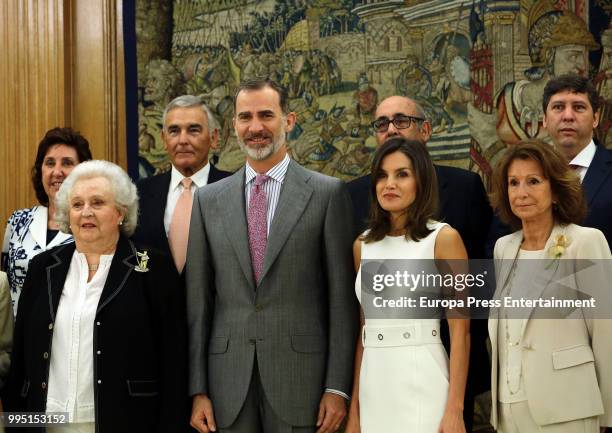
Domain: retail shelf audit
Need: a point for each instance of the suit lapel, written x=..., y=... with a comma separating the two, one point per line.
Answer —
x=38, y=230
x=159, y=199
x=121, y=268
x=59, y=239
x=232, y=204
x=293, y=199
x=598, y=171
x=56, y=275
x=508, y=257
x=38, y=227
x=543, y=278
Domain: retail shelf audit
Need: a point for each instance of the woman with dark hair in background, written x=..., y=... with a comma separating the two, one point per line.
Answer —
x=403, y=381
x=33, y=230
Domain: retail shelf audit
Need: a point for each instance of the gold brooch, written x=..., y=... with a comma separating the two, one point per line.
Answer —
x=142, y=259
x=556, y=251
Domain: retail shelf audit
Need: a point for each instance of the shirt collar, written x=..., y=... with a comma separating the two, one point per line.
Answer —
x=277, y=172
x=200, y=177
x=586, y=155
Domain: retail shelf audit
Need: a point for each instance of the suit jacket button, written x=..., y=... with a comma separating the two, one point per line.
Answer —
x=99, y=382
x=50, y=326
x=380, y=337
x=97, y=323
x=43, y=385
x=99, y=352
x=46, y=355
x=258, y=307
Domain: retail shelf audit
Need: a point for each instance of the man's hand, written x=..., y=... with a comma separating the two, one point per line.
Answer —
x=202, y=416
x=332, y=411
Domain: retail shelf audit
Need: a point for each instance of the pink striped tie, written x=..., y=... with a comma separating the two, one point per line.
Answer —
x=179, y=226
x=257, y=218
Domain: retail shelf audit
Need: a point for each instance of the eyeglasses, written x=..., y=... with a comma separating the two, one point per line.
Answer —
x=400, y=122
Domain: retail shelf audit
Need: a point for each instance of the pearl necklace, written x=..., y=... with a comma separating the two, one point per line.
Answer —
x=509, y=343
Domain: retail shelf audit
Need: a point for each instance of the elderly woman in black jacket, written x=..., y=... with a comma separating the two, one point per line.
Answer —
x=101, y=331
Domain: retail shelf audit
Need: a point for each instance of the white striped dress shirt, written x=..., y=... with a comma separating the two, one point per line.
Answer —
x=272, y=187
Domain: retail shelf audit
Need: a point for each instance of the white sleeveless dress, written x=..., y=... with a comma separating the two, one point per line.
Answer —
x=403, y=381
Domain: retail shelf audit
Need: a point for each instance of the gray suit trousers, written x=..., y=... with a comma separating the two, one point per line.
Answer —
x=258, y=416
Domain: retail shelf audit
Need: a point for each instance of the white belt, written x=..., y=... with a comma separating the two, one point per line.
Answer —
x=400, y=335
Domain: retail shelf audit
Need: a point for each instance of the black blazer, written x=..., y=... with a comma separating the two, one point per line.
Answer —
x=597, y=185
x=153, y=192
x=462, y=203
x=140, y=343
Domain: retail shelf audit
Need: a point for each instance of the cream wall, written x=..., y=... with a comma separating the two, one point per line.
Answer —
x=62, y=65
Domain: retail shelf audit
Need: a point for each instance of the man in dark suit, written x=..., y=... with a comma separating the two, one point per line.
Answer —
x=272, y=311
x=462, y=203
x=190, y=131
x=571, y=106
x=463, y=200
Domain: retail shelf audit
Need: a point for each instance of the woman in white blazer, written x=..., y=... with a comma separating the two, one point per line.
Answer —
x=548, y=375
x=33, y=230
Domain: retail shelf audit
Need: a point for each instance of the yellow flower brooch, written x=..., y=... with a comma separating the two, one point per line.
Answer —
x=556, y=251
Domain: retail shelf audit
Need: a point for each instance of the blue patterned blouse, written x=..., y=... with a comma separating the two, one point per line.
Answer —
x=25, y=237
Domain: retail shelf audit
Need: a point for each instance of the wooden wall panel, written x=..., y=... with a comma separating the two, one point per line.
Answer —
x=62, y=66
x=98, y=81
x=33, y=95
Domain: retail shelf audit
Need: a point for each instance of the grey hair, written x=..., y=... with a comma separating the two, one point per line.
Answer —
x=418, y=108
x=190, y=101
x=122, y=187
x=419, y=112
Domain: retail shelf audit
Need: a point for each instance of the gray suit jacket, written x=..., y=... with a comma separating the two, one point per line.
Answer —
x=300, y=323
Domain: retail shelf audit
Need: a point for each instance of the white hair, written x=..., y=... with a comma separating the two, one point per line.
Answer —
x=190, y=101
x=122, y=188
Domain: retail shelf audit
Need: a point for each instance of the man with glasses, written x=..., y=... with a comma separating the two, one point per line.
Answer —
x=462, y=203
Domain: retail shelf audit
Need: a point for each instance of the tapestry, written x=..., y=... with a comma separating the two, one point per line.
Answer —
x=477, y=67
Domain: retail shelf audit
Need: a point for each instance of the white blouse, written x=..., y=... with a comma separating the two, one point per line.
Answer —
x=70, y=385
